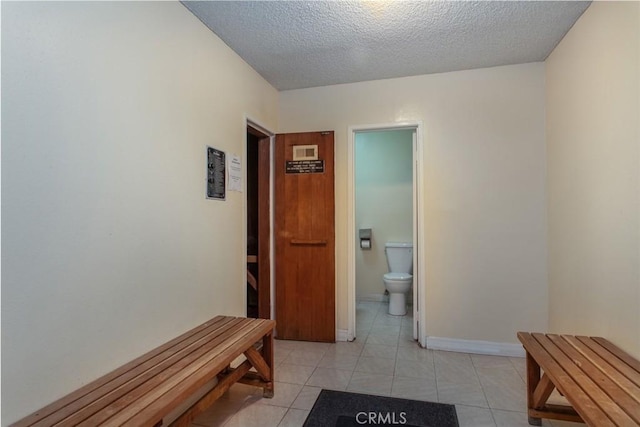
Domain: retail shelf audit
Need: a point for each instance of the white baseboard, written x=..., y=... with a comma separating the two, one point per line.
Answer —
x=373, y=297
x=476, y=347
x=343, y=335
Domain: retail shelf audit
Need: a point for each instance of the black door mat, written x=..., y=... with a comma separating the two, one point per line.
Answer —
x=344, y=409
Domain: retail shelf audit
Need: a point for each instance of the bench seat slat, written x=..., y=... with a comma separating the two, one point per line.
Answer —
x=617, y=394
x=593, y=374
x=112, y=377
x=130, y=403
x=183, y=386
x=621, y=366
x=141, y=381
x=104, y=395
x=151, y=386
x=591, y=412
x=603, y=365
x=595, y=393
x=621, y=354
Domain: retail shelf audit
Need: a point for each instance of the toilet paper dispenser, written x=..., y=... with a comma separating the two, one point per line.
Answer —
x=365, y=238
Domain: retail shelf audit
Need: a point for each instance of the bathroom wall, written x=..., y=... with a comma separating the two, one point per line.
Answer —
x=384, y=202
x=109, y=247
x=485, y=216
x=593, y=145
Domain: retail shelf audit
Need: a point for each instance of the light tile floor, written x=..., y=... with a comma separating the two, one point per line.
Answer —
x=384, y=360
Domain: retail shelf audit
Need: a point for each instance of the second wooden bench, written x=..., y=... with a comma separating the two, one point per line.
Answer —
x=600, y=381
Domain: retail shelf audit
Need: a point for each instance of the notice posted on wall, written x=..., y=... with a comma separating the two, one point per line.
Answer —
x=235, y=173
x=216, y=176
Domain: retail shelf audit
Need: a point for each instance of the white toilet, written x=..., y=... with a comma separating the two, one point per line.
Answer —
x=398, y=280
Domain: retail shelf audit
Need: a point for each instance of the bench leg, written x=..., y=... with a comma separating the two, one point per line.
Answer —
x=533, y=378
x=207, y=400
x=268, y=391
x=267, y=354
x=535, y=421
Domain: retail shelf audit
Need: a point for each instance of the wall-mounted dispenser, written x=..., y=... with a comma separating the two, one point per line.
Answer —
x=365, y=238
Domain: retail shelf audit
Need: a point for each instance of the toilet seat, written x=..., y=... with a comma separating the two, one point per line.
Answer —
x=401, y=277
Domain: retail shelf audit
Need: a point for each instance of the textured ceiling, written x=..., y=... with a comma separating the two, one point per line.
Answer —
x=298, y=44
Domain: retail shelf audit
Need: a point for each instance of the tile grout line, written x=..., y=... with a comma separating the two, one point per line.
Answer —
x=483, y=392
x=376, y=312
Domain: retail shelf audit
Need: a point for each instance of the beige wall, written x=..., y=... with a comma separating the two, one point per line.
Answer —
x=383, y=201
x=484, y=189
x=107, y=239
x=593, y=145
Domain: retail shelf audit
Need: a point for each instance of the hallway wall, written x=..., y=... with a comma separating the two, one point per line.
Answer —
x=109, y=247
x=484, y=189
x=593, y=145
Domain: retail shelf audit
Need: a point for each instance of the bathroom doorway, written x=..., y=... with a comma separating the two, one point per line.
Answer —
x=385, y=166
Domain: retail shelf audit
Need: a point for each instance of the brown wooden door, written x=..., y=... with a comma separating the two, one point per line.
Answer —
x=305, y=241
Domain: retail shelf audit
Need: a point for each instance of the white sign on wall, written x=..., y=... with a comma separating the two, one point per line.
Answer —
x=235, y=173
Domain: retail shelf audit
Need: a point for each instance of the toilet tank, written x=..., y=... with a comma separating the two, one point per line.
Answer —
x=399, y=256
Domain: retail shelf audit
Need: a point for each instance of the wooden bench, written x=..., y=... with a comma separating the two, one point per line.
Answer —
x=600, y=381
x=144, y=391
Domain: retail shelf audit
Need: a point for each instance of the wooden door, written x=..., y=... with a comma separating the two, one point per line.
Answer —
x=305, y=238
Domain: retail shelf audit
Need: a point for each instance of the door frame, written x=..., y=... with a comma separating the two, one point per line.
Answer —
x=250, y=122
x=419, y=280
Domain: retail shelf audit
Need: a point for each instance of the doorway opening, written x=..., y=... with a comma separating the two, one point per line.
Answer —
x=258, y=225
x=385, y=171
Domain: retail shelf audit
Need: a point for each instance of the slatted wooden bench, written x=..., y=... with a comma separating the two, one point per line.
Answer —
x=600, y=381
x=144, y=391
